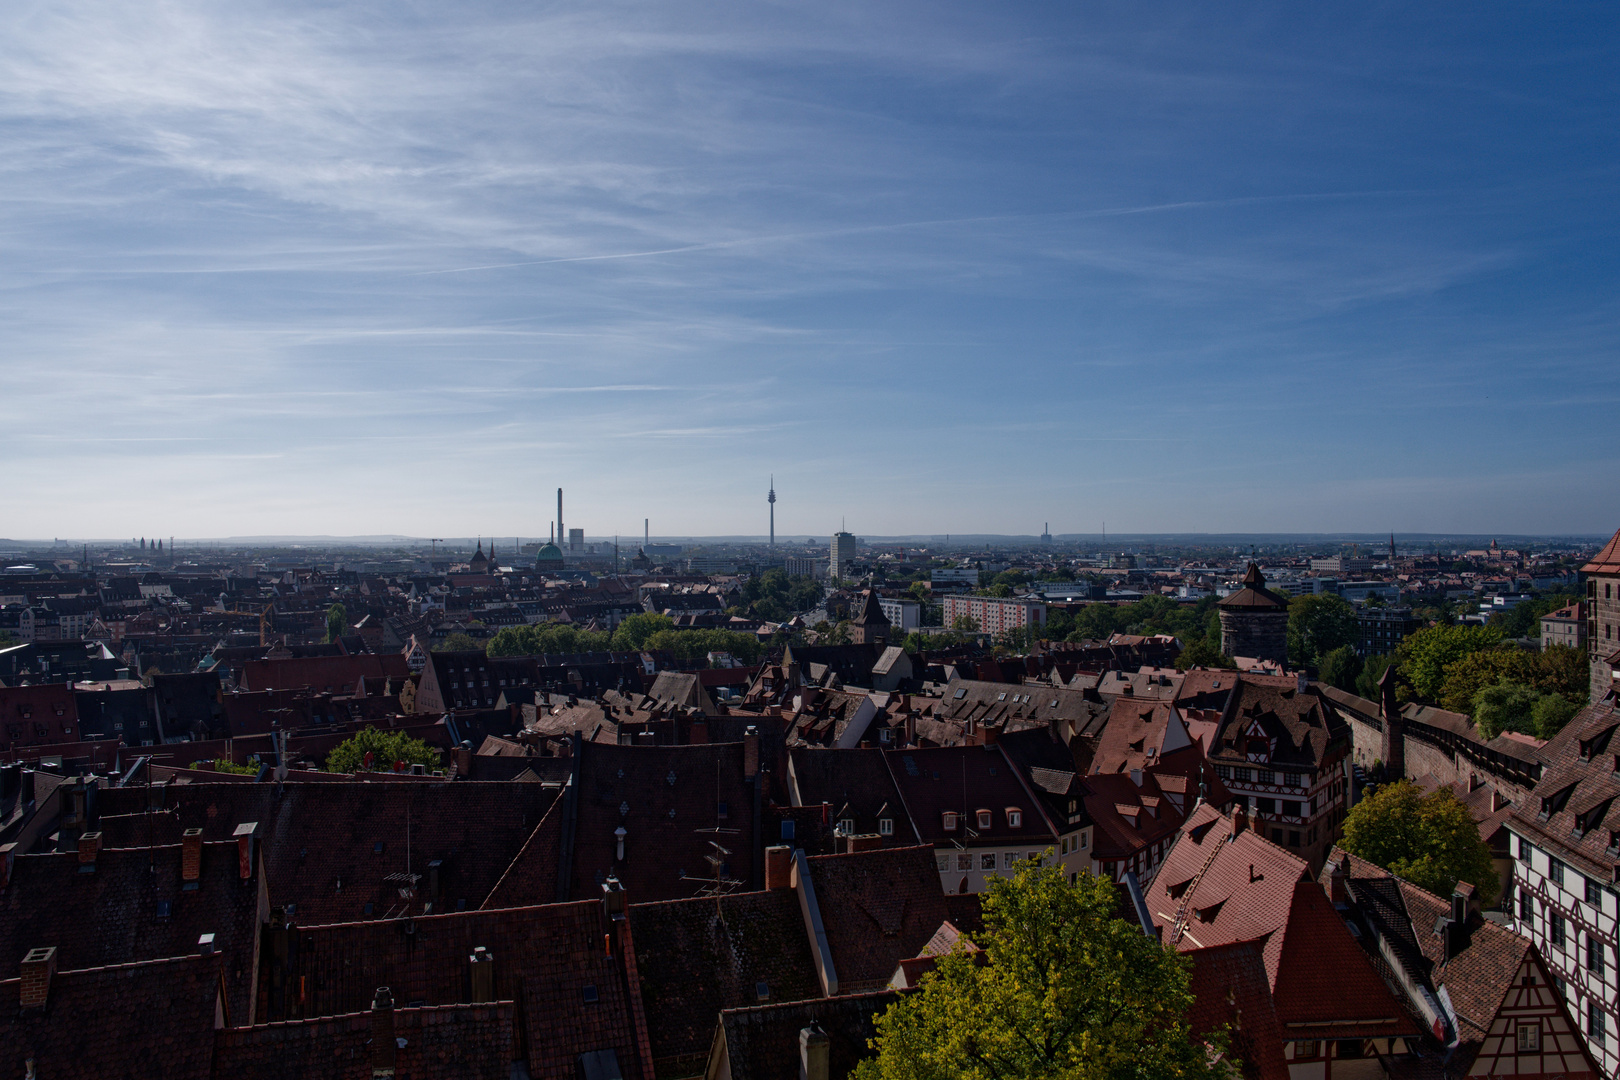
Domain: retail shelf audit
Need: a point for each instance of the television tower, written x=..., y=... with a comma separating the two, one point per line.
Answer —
x=771, y=498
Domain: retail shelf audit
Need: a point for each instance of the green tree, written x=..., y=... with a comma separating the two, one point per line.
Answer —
x=1551, y=713
x=631, y=634
x=1562, y=670
x=1096, y=622
x=1318, y=624
x=1430, y=840
x=1424, y=656
x=371, y=750
x=337, y=622
x=1339, y=667
x=458, y=642
x=1504, y=705
x=1202, y=654
x=1372, y=670
x=1068, y=990
x=1465, y=678
x=965, y=624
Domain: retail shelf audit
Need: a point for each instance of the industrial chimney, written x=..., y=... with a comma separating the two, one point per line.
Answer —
x=562, y=534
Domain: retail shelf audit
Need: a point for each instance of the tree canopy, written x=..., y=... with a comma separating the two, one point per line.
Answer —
x=337, y=622
x=372, y=750
x=1318, y=624
x=1068, y=990
x=1425, y=655
x=1430, y=840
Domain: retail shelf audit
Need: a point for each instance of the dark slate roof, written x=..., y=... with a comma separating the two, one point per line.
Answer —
x=699, y=956
x=878, y=907
x=1303, y=727
x=133, y=907
x=148, y=1021
x=762, y=1043
x=451, y=1040
x=321, y=840
x=1576, y=803
x=856, y=784
x=671, y=799
x=551, y=960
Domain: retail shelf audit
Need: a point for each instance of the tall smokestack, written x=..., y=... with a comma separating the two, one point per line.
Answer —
x=646, y=532
x=562, y=533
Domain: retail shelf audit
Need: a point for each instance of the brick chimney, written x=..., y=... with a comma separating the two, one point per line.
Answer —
x=862, y=842
x=382, y=1033
x=191, y=856
x=1240, y=821
x=89, y=844
x=813, y=1052
x=779, y=867
x=751, y=752
x=8, y=862
x=482, y=966
x=38, y=967
x=464, y=756
x=245, y=834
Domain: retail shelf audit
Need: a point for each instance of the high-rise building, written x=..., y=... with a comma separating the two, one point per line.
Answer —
x=771, y=498
x=843, y=553
x=576, y=540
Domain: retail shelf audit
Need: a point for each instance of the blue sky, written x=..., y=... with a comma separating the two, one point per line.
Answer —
x=409, y=267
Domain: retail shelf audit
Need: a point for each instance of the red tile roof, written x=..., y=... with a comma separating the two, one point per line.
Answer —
x=1606, y=561
x=451, y=1040
x=1325, y=986
x=1231, y=992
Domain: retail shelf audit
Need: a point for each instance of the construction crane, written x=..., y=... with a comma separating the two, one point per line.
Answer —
x=435, y=541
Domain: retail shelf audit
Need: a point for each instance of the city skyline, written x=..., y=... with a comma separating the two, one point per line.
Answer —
x=350, y=270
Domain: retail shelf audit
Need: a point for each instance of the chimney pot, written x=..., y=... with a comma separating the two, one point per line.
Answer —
x=482, y=965
x=38, y=967
x=205, y=944
x=245, y=834
x=813, y=1053
x=191, y=855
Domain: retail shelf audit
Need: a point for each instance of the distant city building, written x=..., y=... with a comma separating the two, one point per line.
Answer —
x=1046, y=533
x=1360, y=591
x=1254, y=620
x=843, y=553
x=995, y=614
x=711, y=564
x=1603, y=615
x=662, y=551
x=905, y=615
x=1341, y=564
x=954, y=578
x=798, y=566
x=1381, y=629
x=1566, y=626
x=576, y=539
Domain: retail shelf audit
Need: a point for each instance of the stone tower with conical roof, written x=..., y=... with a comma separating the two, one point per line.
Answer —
x=1254, y=620
x=871, y=626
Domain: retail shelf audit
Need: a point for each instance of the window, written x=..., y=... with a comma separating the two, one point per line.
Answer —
x=983, y=818
x=1033, y=856
x=1596, y=1023
x=1555, y=870
x=1291, y=809
x=1008, y=858
x=1594, y=955
x=1525, y=910
x=1594, y=893
x=1265, y=806
x=1305, y=1048
x=846, y=826
x=886, y=826
x=950, y=821
x=943, y=862
x=987, y=862
x=1245, y=775
x=1555, y=928
x=964, y=862
x=1525, y=849
x=1015, y=818
x=1084, y=839
x=1529, y=1038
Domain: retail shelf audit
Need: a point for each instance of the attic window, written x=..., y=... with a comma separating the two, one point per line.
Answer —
x=762, y=991
x=950, y=820
x=886, y=826
x=1586, y=822
x=984, y=819
x=1001, y=696
x=591, y=997
x=377, y=848
x=960, y=694
x=1596, y=744
x=1554, y=803
x=1015, y=818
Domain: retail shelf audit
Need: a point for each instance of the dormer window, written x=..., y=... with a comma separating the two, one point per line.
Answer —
x=846, y=826
x=1015, y=818
x=1592, y=818
x=984, y=819
x=950, y=820
x=1554, y=803
x=886, y=826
